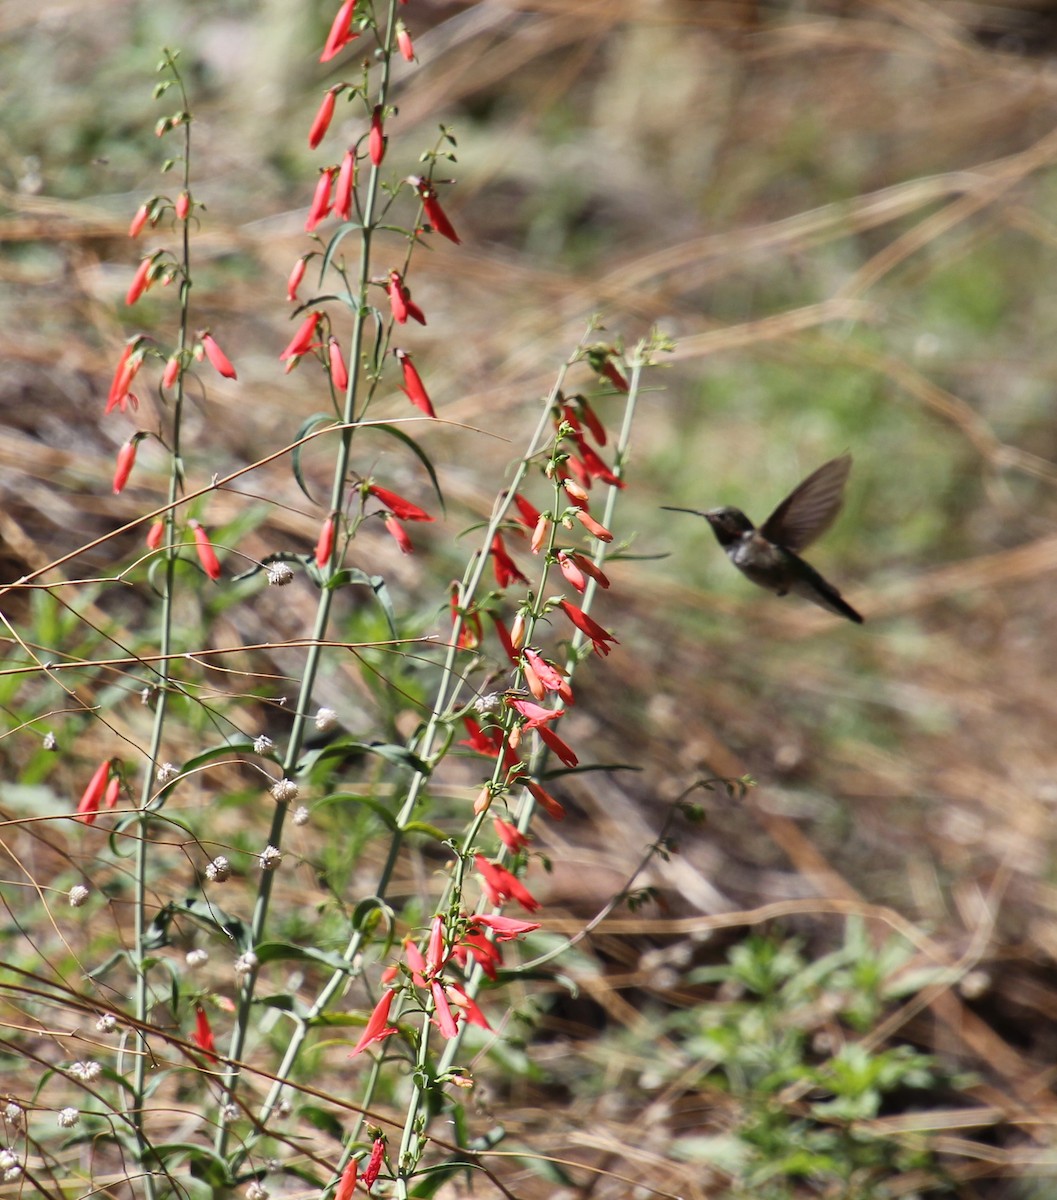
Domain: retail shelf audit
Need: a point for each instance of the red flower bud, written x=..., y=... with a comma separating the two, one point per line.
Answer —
x=399, y=534
x=320, y=199
x=340, y=32
x=296, y=275
x=140, y=281
x=323, y=117
x=338, y=374
x=376, y=138
x=216, y=356
x=126, y=458
x=139, y=220
x=183, y=205
x=171, y=372
x=204, y=549
x=155, y=535
x=343, y=188
x=414, y=388
x=325, y=543
x=302, y=340
x=88, y=806
x=347, y=1182
x=403, y=41
x=435, y=215
x=597, y=635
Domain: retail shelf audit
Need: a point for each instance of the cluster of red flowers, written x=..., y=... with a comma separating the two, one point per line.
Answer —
x=477, y=940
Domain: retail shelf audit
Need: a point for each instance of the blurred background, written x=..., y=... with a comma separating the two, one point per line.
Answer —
x=843, y=214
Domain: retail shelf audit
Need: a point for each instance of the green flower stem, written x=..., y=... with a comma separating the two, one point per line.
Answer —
x=136, y=1106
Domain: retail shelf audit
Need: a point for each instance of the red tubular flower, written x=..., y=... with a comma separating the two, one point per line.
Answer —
x=504, y=929
x=478, y=739
x=539, y=534
x=126, y=458
x=203, y=1034
x=598, y=636
x=377, y=1028
x=397, y=505
x=575, y=566
x=413, y=387
x=444, y=1019
x=555, y=743
x=459, y=997
x=296, y=275
x=139, y=220
x=155, y=535
x=338, y=373
x=113, y=790
x=505, y=639
x=552, y=677
x=171, y=372
x=376, y=138
x=505, y=568
x=435, y=215
x=532, y=682
x=323, y=117
x=545, y=800
x=374, y=1163
x=140, y=281
x=583, y=475
x=92, y=797
x=347, y=1182
x=592, y=526
x=320, y=199
x=206, y=554
x=301, y=342
x=571, y=571
x=325, y=542
x=509, y=835
x=220, y=361
x=501, y=886
x=182, y=206
x=590, y=419
x=529, y=515
x=403, y=41
x=340, y=32
x=595, y=467
x=397, y=298
x=343, y=188
x=535, y=714
x=485, y=953
x=577, y=494
x=435, y=956
x=416, y=962
x=399, y=534
x=400, y=303
x=470, y=629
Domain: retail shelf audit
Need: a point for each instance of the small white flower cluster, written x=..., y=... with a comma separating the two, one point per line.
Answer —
x=262, y=744
x=284, y=790
x=68, y=1117
x=10, y=1167
x=85, y=1071
x=78, y=894
x=245, y=963
x=107, y=1023
x=257, y=1191
x=196, y=958
x=300, y=815
x=270, y=858
x=219, y=870
x=325, y=719
x=14, y=1115
x=166, y=773
x=279, y=574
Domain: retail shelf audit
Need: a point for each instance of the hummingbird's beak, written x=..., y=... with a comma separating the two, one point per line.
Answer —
x=694, y=512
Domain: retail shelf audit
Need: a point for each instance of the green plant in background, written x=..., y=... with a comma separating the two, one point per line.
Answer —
x=785, y=1048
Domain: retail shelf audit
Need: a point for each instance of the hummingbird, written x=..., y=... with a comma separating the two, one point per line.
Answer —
x=770, y=556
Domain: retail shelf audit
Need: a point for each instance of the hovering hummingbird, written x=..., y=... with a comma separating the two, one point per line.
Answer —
x=769, y=556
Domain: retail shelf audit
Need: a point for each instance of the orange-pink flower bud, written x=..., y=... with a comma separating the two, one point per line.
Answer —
x=296, y=275
x=140, y=281
x=338, y=373
x=155, y=535
x=592, y=526
x=182, y=206
x=403, y=41
x=171, y=372
x=399, y=534
x=343, y=188
x=126, y=458
x=139, y=220
x=320, y=199
x=325, y=542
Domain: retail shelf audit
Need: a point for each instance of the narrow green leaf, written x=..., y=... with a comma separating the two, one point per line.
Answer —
x=419, y=453
x=308, y=425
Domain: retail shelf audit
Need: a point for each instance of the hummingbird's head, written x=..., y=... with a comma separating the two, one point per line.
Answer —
x=728, y=524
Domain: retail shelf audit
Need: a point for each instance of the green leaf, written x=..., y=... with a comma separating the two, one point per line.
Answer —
x=376, y=806
x=419, y=453
x=349, y=576
x=308, y=425
x=423, y=827
x=323, y=1120
x=340, y=235
x=288, y=952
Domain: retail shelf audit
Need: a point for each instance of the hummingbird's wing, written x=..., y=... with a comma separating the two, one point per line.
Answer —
x=810, y=508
